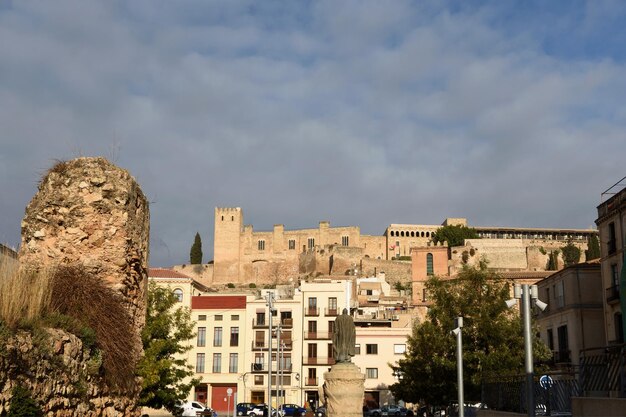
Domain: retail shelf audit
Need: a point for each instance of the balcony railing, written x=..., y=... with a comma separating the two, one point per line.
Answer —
x=330, y=312
x=561, y=356
x=286, y=322
x=612, y=293
x=318, y=360
x=318, y=335
x=258, y=367
x=310, y=382
x=264, y=345
x=260, y=323
x=312, y=311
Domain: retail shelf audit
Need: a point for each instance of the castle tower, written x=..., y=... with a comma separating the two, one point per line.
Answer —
x=227, y=244
x=425, y=262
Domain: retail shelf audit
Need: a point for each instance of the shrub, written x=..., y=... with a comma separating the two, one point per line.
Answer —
x=252, y=285
x=571, y=254
x=230, y=285
x=79, y=294
x=24, y=295
x=22, y=404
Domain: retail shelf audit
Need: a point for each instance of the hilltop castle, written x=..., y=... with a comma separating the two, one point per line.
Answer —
x=243, y=255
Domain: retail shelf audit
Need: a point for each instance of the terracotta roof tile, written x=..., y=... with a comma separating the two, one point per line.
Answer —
x=165, y=273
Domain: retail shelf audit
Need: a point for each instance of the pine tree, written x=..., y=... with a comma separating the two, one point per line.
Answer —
x=593, y=251
x=553, y=261
x=195, y=255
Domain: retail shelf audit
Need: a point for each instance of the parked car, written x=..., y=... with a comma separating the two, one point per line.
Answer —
x=291, y=410
x=193, y=409
x=390, y=410
x=371, y=412
x=261, y=410
x=320, y=411
x=244, y=408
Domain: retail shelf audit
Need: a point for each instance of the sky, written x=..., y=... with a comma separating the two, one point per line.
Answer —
x=361, y=113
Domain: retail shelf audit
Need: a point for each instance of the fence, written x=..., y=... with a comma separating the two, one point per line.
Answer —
x=552, y=395
x=603, y=371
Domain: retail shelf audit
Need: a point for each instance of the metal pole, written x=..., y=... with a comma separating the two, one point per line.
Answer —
x=528, y=348
x=270, y=299
x=278, y=366
x=459, y=366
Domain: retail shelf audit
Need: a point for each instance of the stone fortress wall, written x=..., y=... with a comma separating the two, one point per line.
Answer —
x=243, y=255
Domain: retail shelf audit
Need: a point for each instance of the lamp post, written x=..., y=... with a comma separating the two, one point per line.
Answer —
x=459, y=364
x=527, y=292
x=270, y=304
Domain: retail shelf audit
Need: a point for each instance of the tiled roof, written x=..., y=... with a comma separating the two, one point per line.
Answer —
x=165, y=273
x=218, y=302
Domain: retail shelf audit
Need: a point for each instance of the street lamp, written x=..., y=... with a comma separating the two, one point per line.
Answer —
x=270, y=304
x=527, y=292
x=459, y=363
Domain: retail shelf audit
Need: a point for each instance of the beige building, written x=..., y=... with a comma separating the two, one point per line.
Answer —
x=574, y=318
x=242, y=254
x=611, y=225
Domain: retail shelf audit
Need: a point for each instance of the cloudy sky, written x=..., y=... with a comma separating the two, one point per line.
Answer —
x=367, y=113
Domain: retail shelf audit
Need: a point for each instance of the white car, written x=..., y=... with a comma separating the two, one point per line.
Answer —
x=192, y=408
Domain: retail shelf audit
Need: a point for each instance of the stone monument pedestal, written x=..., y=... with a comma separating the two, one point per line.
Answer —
x=343, y=388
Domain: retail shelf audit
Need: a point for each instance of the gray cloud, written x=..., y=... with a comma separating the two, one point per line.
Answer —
x=363, y=113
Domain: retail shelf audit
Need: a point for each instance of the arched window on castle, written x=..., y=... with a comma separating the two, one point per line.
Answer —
x=179, y=294
x=429, y=264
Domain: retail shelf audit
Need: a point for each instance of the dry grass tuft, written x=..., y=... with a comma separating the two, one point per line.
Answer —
x=87, y=298
x=24, y=295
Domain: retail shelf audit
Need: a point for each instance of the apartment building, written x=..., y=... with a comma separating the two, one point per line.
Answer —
x=611, y=222
x=574, y=319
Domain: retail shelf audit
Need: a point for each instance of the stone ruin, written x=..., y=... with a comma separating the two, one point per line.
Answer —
x=91, y=213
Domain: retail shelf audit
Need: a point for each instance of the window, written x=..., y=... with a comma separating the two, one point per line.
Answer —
x=429, y=264
x=312, y=350
x=219, y=317
x=201, y=337
x=233, y=361
x=217, y=363
x=611, y=243
x=399, y=349
x=200, y=363
x=234, y=336
x=234, y=317
x=261, y=245
x=202, y=317
x=311, y=243
x=179, y=295
x=371, y=349
x=292, y=244
x=560, y=298
x=260, y=319
x=424, y=294
x=563, y=339
x=217, y=336
x=332, y=305
x=371, y=373
x=258, y=380
x=619, y=329
x=550, y=339
x=614, y=276
x=357, y=349
x=344, y=240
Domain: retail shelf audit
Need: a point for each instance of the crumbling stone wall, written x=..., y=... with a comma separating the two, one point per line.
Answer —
x=89, y=212
x=61, y=375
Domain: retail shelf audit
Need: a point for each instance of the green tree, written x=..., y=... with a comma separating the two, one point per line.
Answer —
x=165, y=338
x=455, y=234
x=553, y=261
x=22, y=404
x=195, y=255
x=571, y=254
x=493, y=342
x=593, y=245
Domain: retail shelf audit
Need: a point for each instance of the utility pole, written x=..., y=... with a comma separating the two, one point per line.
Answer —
x=279, y=365
x=459, y=364
x=270, y=304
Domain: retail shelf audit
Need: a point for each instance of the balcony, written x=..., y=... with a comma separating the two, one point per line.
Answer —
x=318, y=361
x=312, y=311
x=331, y=312
x=263, y=345
x=612, y=294
x=260, y=324
x=286, y=323
x=561, y=356
x=258, y=367
x=259, y=345
x=318, y=335
x=310, y=382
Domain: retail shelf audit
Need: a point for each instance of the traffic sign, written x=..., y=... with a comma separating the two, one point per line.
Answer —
x=546, y=381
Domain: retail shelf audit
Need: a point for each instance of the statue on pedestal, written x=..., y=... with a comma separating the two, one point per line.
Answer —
x=344, y=338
